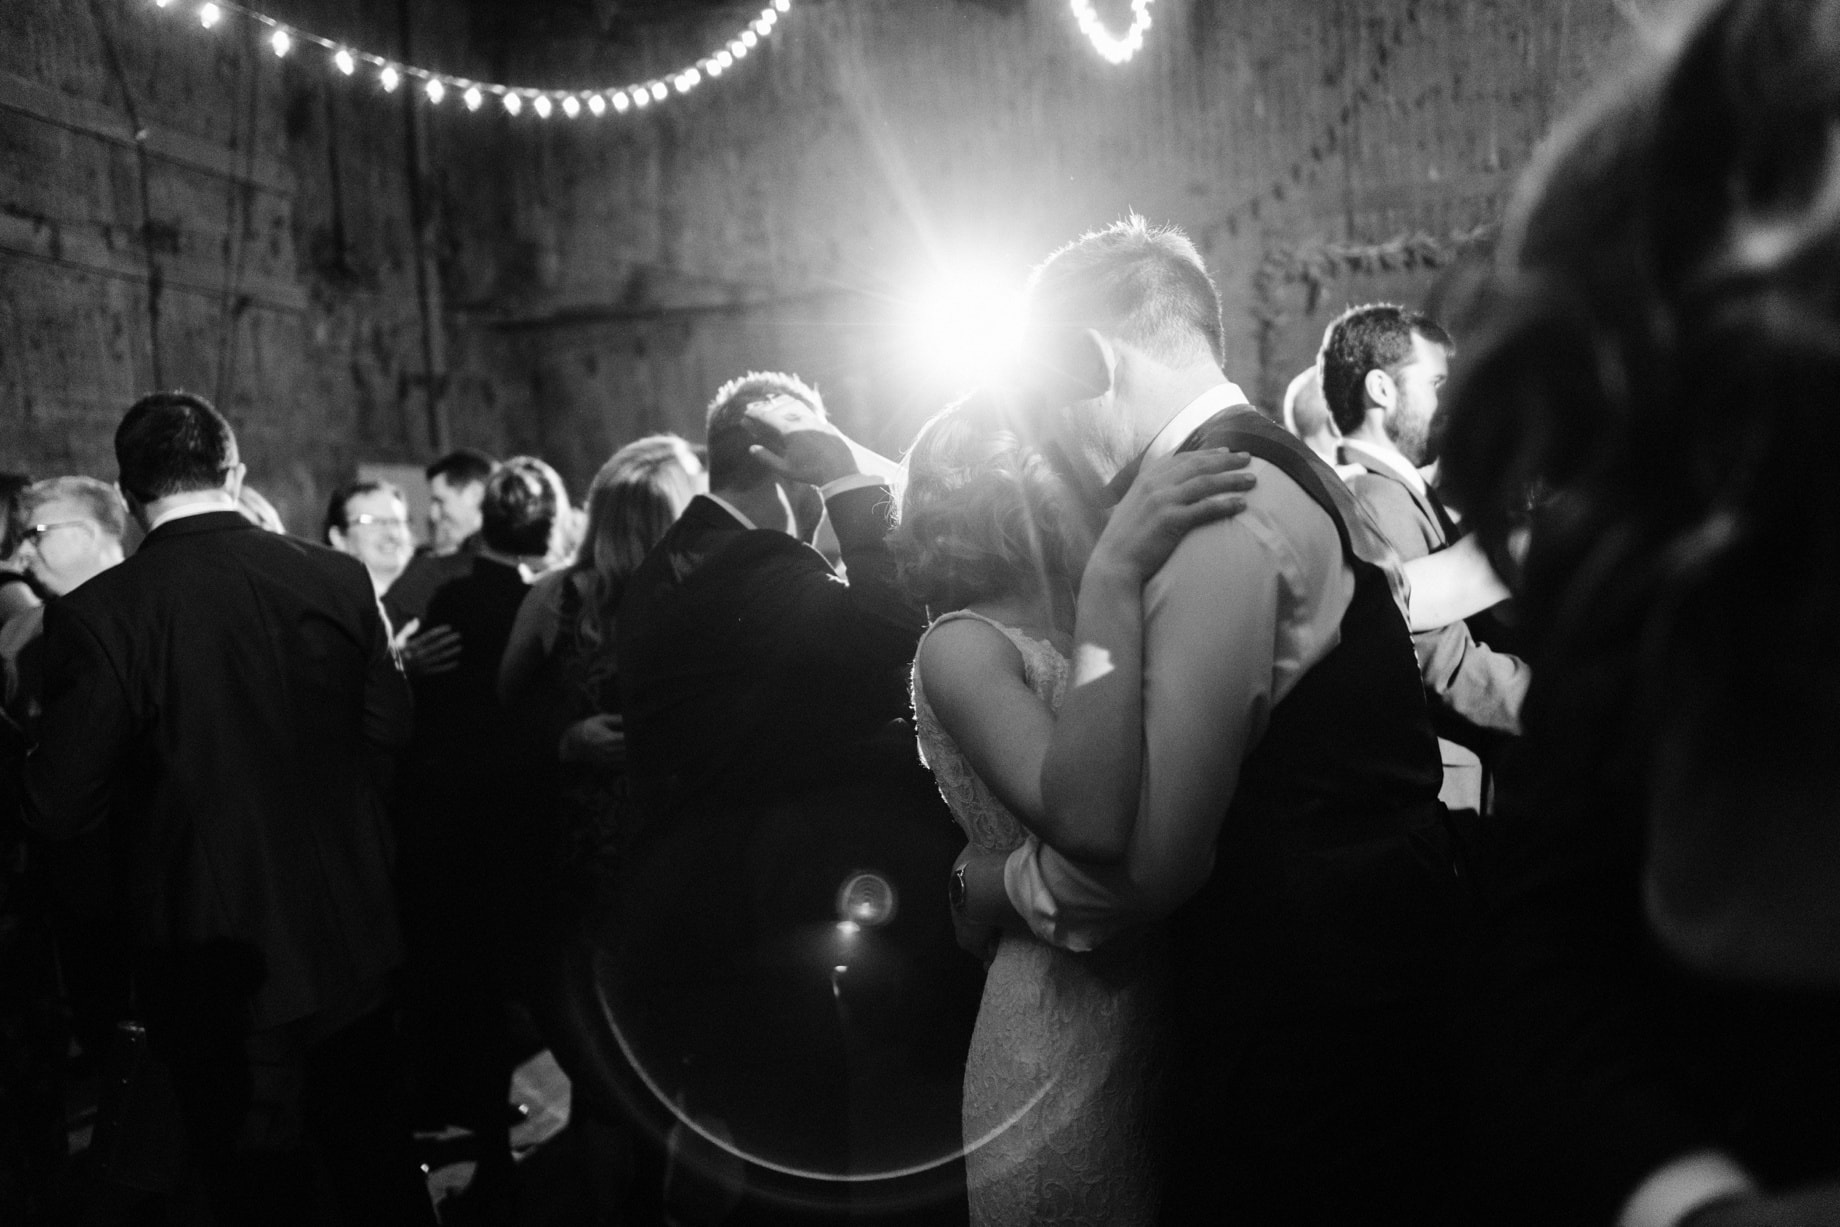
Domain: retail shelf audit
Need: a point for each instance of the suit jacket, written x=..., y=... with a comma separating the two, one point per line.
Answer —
x=1475, y=691
x=771, y=764
x=750, y=669
x=218, y=701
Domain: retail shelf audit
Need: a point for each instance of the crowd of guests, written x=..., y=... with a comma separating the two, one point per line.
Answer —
x=1132, y=807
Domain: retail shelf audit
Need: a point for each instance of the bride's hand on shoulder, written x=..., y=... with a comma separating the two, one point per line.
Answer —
x=1171, y=497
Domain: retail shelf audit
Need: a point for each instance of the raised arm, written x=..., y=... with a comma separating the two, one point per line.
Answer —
x=1091, y=775
x=1240, y=610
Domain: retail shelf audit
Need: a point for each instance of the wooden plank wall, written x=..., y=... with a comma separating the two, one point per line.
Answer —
x=587, y=282
x=179, y=208
x=803, y=192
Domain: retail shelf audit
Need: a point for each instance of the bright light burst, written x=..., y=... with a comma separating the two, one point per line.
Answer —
x=1114, y=48
x=965, y=327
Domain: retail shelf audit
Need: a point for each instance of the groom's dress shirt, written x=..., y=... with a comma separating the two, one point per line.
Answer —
x=1243, y=608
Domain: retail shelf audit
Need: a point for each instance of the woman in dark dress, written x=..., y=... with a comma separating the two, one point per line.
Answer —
x=559, y=673
x=472, y=827
x=560, y=677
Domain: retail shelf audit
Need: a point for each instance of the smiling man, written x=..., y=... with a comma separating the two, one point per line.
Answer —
x=72, y=531
x=370, y=521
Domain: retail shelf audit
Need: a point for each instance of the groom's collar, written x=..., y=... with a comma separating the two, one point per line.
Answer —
x=1187, y=420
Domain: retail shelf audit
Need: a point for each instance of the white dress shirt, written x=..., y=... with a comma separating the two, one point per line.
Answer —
x=184, y=510
x=1394, y=461
x=1242, y=609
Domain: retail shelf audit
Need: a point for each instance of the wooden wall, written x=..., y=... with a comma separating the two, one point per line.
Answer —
x=580, y=283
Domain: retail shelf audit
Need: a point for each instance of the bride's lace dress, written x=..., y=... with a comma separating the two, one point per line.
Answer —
x=1059, y=1080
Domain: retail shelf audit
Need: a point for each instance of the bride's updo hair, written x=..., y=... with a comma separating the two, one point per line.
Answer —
x=984, y=515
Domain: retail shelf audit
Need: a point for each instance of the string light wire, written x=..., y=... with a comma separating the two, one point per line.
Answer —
x=1115, y=48
x=435, y=86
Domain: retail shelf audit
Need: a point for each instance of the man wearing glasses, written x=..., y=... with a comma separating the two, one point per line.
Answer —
x=72, y=531
x=370, y=521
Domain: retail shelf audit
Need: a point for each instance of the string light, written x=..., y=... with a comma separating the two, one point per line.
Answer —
x=1116, y=49
x=436, y=85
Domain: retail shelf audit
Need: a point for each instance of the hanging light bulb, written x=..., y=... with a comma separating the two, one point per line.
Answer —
x=782, y=5
x=162, y=3
x=541, y=106
x=209, y=15
x=389, y=78
x=342, y=58
x=472, y=97
x=711, y=68
x=571, y=106
x=659, y=92
x=621, y=102
x=513, y=103
x=642, y=96
x=749, y=39
x=725, y=58
x=281, y=42
x=597, y=105
x=435, y=90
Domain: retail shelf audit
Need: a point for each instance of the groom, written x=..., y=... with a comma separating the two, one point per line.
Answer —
x=1290, y=824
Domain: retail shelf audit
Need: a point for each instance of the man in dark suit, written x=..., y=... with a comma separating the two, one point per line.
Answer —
x=1382, y=368
x=216, y=703
x=789, y=967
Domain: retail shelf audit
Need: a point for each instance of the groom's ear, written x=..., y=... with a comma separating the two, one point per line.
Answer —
x=1066, y=365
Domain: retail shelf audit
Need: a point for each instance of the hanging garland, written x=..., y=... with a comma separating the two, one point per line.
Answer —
x=1329, y=141
x=1115, y=49
x=435, y=86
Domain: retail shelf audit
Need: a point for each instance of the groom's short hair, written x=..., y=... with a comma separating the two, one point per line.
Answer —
x=1143, y=284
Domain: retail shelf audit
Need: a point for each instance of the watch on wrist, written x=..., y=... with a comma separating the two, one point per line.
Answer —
x=957, y=891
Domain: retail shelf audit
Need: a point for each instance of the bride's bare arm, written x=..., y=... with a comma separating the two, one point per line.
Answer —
x=1452, y=584
x=1092, y=771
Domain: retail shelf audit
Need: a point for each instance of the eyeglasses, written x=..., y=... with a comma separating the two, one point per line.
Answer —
x=379, y=522
x=35, y=533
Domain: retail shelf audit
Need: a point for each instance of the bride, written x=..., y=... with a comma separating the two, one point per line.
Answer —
x=1063, y=1062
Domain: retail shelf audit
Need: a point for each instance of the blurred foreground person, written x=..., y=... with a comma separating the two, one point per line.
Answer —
x=216, y=702
x=1657, y=1038
x=787, y=977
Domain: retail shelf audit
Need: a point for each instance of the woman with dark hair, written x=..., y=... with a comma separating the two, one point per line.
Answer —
x=1657, y=1039
x=474, y=825
x=1061, y=1074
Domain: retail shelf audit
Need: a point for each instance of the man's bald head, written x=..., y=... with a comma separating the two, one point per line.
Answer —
x=1306, y=413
